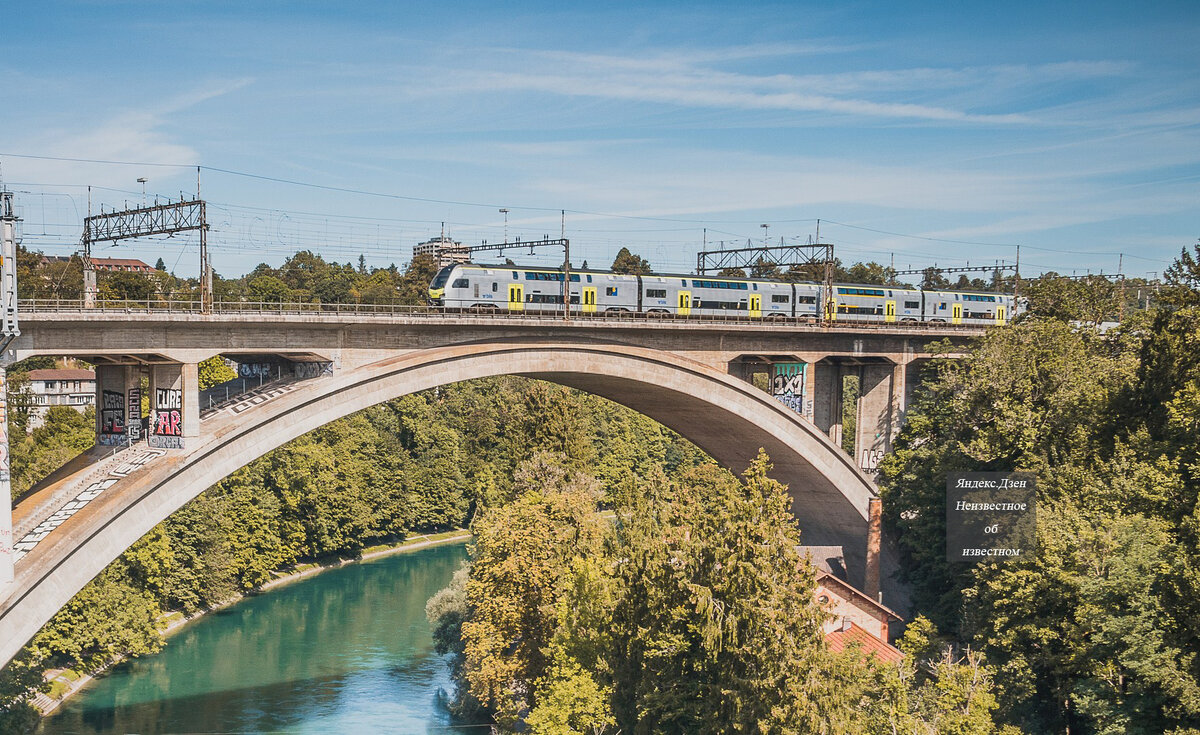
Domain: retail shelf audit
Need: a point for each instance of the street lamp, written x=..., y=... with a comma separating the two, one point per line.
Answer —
x=765, y=233
x=504, y=212
x=142, y=180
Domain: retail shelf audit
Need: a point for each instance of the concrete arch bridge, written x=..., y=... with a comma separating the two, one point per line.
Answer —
x=694, y=378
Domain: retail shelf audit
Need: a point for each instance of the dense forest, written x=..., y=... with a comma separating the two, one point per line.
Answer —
x=679, y=615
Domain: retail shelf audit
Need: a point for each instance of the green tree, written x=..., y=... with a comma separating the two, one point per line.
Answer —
x=1182, y=280
x=627, y=262
x=214, y=371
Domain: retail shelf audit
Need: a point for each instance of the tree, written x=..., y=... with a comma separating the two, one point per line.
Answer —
x=765, y=269
x=520, y=553
x=932, y=279
x=414, y=285
x=1090, y=300
x=159, y=265
x=214, y=371
x=732, y=273
x=1182, y=280
x=627, y=262
x=715, y=625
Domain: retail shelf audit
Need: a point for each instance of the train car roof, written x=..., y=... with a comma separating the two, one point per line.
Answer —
x=740, y=279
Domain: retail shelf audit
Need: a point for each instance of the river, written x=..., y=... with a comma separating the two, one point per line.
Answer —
x=345, y=651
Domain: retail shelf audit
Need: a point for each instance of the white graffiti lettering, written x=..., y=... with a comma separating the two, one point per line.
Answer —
x=90, y=493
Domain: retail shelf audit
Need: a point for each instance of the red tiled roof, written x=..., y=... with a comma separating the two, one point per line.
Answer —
x=56, y=374
x=838, y=640
x=100, y=262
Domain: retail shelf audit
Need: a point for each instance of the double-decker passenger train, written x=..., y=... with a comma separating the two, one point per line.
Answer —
x=520, y=288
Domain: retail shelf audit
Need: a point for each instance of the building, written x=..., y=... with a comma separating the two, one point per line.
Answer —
x=444, y=250
x=129, y=265
x=54, y=387
x=852, y=616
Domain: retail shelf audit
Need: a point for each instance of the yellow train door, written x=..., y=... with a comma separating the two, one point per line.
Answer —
x=755, y=305
x=685, y=303
x=516, y=297
x=889, y=311
x=956, y=314
x=1000, y=314
x=589, y=300
x=831, y=308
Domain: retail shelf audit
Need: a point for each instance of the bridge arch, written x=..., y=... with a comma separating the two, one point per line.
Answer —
x=723, y=415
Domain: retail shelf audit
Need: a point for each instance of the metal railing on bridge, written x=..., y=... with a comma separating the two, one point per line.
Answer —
x=334, y=310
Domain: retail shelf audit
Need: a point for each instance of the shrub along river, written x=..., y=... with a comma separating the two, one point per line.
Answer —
x=345, y=651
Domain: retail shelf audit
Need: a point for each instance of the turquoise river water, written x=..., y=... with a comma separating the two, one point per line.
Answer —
x=345, y=651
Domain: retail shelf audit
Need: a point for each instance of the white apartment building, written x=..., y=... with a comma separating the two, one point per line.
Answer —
x=69, y=387
x=444, y=250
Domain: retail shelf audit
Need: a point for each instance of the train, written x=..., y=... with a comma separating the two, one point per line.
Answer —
x=516, y=288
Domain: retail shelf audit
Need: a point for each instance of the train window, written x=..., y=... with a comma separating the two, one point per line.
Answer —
x=912, y=304
x=460, y=283
x=589, y=278
x=779, y=298
x=755, y=286
x=515, y=276
x=610, y=291
x=683, y=281
x=942, y=306
x=495, y=287
x=656, y=293
x=806, y=299
x=476, y=293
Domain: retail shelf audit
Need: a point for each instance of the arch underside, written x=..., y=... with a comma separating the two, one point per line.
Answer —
x=726, y=417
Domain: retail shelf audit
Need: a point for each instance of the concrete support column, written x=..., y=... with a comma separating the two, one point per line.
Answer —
x=827, y=398
x=167, y=406
x=133, y=404
x=6, y=530
x=111, y=407
x=191, y=399
x=899, y=399
x=876, y=420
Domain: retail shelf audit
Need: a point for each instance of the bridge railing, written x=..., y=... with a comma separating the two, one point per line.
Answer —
x=333, y=310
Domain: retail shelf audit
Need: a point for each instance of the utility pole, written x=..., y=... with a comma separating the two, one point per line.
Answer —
x=8, y=332
x=89, y=270
x=567, y=270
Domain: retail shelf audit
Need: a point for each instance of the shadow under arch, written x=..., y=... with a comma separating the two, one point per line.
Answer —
x=726, y=417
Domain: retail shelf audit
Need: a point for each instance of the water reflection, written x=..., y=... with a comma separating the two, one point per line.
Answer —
x=346, y=651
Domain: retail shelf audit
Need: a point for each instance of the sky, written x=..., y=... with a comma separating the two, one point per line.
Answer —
x=915, y=135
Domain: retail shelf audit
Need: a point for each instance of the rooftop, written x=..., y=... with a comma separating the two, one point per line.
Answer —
x=63, y=374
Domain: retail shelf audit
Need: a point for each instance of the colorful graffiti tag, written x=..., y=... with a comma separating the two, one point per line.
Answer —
x=133, y=417
x=112, y=413
x=166, y=426
x=788, y=386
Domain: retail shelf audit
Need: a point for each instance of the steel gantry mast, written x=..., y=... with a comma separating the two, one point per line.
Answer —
x=156, y=219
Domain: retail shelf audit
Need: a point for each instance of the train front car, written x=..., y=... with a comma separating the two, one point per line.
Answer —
x=437, y=287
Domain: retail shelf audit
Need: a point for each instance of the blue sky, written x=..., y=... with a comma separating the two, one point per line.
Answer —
x=931, y=136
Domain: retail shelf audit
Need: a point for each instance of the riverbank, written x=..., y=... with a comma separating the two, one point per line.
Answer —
x=68, y=683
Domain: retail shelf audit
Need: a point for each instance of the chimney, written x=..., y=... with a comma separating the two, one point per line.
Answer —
x=874, y=533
